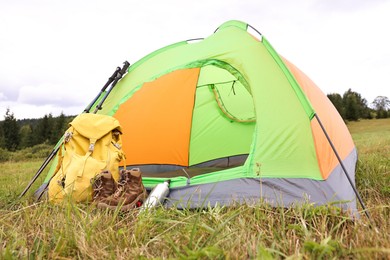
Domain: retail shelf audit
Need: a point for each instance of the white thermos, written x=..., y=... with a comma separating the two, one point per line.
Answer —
x=156, y=196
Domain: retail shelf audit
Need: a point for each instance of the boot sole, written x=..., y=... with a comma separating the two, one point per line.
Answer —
x=127, y=207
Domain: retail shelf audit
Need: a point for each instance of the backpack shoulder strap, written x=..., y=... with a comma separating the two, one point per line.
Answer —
x=66, y=138
x=92, y=142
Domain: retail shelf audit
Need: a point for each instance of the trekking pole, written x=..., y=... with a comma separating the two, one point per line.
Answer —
x=110, y=80
x=118, y=74
x=43, y=166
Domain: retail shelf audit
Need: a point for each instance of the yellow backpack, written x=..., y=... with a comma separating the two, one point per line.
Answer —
x=92, y=144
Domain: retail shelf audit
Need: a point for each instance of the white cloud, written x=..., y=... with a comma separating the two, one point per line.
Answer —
x=47, y=94
x=35, y=111
x=345, y=5
x=47, y=47
x=2, y=97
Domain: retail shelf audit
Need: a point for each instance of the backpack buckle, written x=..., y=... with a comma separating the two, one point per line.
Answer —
x=91, y=147
x=68, y=136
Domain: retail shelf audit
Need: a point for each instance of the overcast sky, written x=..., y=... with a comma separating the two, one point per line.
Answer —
x=56, y=55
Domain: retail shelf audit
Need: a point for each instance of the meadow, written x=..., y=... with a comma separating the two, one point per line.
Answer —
x=41, y=230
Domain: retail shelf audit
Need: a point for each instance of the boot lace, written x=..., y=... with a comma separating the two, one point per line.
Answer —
x=121, y=185
x=119, y=190
x=97, y=186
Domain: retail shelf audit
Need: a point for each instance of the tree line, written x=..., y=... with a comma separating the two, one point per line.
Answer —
x=20, y=134
x=352, y=107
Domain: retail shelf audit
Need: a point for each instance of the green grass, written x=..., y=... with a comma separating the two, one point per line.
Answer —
x=70, y=231
x=372, y=138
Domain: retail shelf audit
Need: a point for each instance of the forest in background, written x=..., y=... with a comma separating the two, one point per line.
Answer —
x=21, y=134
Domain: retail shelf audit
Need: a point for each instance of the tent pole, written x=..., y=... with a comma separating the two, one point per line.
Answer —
x=344, y=169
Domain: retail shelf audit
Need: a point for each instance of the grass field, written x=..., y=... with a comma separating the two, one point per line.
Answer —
x=70, y=231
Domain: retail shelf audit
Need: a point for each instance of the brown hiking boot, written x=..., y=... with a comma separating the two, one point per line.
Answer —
x=129, y=192
x=103, y=186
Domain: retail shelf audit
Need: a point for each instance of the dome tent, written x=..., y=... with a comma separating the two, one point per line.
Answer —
x=227, y=119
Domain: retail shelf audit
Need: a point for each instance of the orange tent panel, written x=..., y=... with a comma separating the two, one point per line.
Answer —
x=329, y=116
x=156, y=120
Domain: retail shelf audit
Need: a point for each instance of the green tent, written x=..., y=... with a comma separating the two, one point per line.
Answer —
x=227, y=119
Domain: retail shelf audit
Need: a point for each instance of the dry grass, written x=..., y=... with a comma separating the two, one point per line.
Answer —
x=72, y=231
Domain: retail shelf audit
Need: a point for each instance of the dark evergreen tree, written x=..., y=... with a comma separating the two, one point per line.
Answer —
x=2, y=138
x=43, y=131
x=59, y=127
x=25, y=134
x=10, y=131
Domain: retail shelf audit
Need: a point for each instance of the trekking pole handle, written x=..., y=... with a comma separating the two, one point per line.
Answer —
x=119, y=75
x=110, y=80
x=122, y=71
